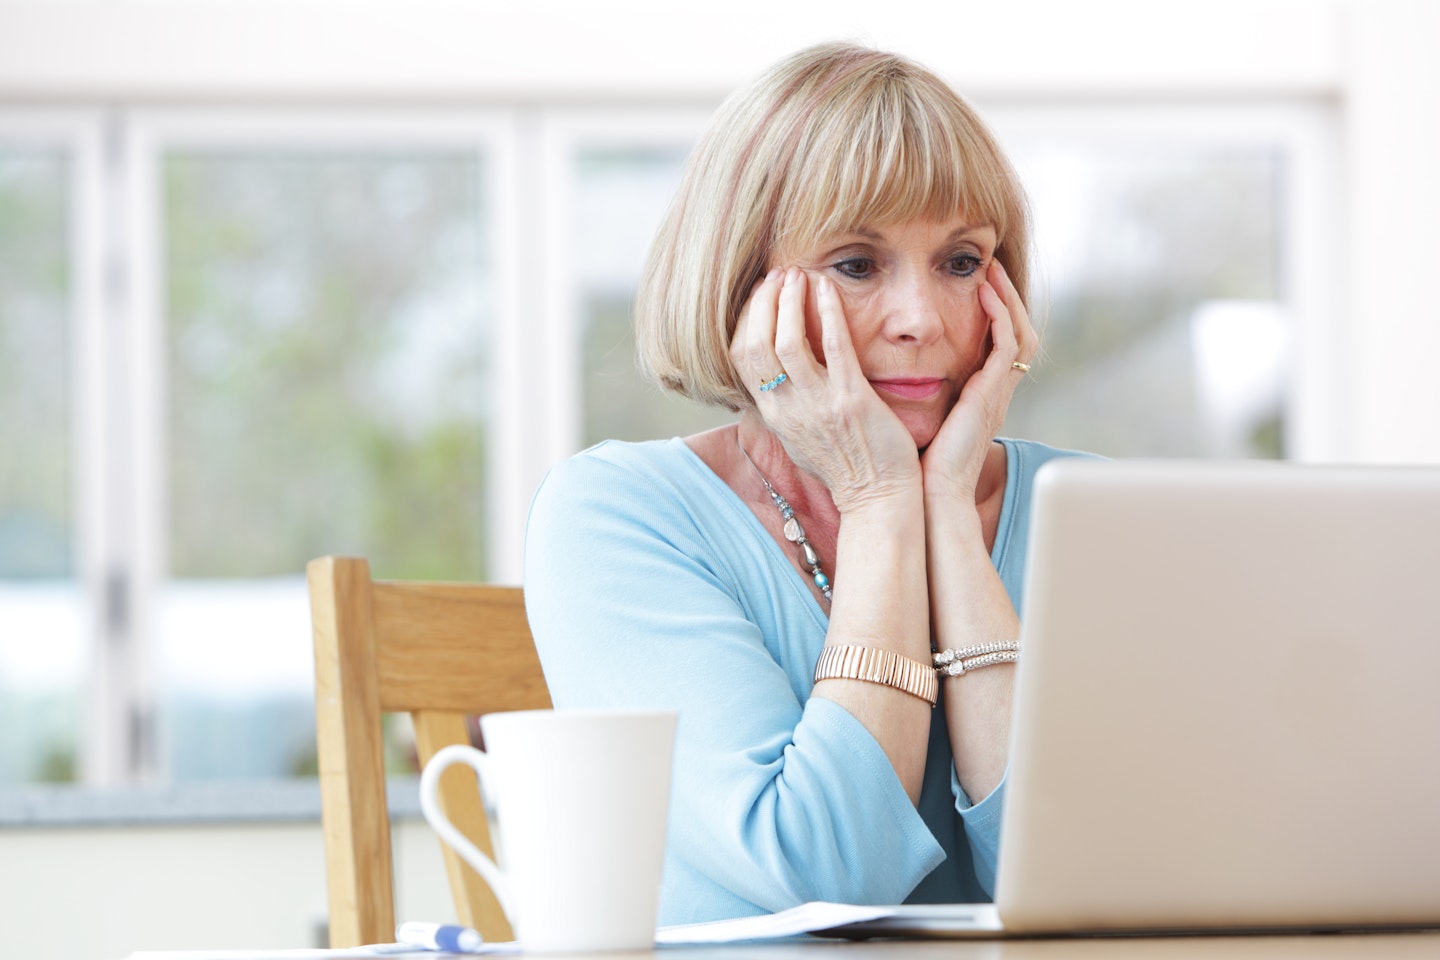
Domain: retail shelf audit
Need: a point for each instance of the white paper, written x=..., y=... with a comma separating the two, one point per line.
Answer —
x=816, y=915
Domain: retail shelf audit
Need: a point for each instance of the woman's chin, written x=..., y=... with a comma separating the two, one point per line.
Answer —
x=923, y=424
x=923, y=433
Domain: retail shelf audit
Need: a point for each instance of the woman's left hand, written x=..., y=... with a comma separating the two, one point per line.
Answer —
x=952, y=463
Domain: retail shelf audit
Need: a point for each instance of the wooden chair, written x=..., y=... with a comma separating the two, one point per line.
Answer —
x=440, y=652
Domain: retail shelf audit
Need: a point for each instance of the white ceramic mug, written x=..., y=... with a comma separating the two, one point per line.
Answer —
x=581, y=799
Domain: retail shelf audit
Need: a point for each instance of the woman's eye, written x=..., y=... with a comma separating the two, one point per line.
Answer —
x=856, y=268
x=964, y=265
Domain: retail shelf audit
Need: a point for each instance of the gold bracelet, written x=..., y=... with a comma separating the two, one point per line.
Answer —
x=878, y=666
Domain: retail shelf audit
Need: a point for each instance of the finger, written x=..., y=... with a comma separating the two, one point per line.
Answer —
x=752, y=346
x=1002, y=323
x=835, y=332
x=1025, y=335
x=792, y=345
x=1005, y=348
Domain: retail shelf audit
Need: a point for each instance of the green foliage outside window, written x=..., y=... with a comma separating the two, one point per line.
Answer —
x=327, y=364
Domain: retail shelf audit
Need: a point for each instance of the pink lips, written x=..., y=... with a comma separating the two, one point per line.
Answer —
x=910, y=389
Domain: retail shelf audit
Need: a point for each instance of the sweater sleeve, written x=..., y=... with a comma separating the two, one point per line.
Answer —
x=981, y=823
x=777, y=798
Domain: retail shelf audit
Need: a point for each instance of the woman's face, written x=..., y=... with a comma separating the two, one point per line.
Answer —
x=911, y=297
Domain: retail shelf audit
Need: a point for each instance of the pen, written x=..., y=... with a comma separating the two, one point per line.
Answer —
x=439, y=936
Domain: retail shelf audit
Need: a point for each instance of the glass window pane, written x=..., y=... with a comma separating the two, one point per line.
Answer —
x=327, y=393
x=42, y=621
x=620, y=197
x=1159, y=291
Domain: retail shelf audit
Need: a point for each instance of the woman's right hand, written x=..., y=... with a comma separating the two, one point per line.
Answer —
x=827, y=415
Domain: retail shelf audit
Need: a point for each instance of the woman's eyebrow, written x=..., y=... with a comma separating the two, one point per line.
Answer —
x=962, y=232
x=966, y=232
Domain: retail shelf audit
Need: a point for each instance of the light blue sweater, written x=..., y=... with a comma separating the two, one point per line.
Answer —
x=649, y=583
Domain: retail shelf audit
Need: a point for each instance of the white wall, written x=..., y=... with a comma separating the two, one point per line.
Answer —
x=1390, y=110
x=100, y=893
x=428, y=49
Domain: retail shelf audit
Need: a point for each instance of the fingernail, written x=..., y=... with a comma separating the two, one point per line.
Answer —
x=792, y=275
x=773, y=275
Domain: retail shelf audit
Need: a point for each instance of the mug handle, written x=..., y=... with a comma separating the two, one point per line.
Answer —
x=430, y=806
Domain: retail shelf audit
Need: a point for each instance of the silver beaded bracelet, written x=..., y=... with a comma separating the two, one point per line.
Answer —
x=954, y=663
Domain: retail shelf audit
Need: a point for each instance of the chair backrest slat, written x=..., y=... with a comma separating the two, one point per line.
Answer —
x=465, y=648
x=439, y=652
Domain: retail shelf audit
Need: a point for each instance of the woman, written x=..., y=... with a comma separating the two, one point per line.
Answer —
x=844, y=267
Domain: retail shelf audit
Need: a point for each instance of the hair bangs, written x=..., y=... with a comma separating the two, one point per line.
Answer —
x=893, y=152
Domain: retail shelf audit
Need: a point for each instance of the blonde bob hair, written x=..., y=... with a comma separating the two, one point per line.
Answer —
x=831, y=139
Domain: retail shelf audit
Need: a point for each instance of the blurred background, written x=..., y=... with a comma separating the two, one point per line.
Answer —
x=282, y=280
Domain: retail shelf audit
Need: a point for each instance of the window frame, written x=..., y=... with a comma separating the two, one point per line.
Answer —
x=138, y=567
x=81, y=134
x=563, y=135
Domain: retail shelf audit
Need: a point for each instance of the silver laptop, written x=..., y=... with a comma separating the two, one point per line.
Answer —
x=1227, y=708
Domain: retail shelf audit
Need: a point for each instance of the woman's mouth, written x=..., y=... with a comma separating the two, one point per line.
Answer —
x=910, y=388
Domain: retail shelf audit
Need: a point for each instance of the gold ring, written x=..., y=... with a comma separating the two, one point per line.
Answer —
x=774, y=382
x=1022, y=367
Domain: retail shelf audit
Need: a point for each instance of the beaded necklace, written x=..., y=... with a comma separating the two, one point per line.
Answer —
x=794, y=532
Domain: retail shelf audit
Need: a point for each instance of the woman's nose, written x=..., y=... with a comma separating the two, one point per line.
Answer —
x=914, y=312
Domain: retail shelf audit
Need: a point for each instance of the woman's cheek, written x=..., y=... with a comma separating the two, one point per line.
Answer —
x=974, y=329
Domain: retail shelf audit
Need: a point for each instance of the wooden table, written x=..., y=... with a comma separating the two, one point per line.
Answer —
x=1358, y=946
x=1352, y=946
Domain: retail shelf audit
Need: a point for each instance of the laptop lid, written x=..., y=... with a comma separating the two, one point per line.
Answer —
x=1228, y=701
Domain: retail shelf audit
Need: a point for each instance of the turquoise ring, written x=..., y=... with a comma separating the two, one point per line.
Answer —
x=774, y=382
